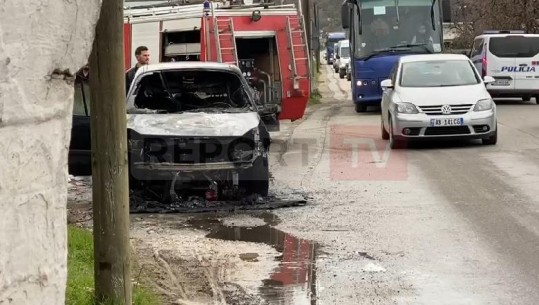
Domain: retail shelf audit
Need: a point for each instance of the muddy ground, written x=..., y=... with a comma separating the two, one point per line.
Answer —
x=441, y=223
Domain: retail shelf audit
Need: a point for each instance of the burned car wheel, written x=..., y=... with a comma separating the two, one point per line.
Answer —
x=255, y=180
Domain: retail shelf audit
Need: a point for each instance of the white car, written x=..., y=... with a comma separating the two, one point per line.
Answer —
x=437, y=96
x=342, y=57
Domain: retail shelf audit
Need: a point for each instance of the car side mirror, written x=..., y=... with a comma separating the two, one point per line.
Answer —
x=345, y=14
x=386, y=84
x=488, y=79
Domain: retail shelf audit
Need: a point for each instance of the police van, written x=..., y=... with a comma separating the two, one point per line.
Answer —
x=512, y=58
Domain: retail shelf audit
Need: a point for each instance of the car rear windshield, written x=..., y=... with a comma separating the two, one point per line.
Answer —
x=195, y=90
x=514, y=46
x=439, y=73
x=345, y=52
x=332, y=41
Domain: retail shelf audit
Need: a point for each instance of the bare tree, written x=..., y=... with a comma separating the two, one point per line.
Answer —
x=475, y=16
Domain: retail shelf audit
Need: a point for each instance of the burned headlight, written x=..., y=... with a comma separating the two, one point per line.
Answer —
x=244, y=148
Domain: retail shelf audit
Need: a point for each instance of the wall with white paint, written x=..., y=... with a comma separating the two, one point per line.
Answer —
x=36, y=38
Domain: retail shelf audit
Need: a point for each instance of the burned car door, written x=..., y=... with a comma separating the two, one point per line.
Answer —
x=80, y=157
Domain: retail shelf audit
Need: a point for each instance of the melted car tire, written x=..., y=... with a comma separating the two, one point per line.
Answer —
x=255, y=180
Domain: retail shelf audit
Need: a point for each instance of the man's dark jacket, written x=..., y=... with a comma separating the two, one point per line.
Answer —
x=129, y=76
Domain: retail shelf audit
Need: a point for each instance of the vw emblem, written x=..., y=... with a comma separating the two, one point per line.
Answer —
x=446, y=109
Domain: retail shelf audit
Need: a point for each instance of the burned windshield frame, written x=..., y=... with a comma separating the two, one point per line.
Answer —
x=167, y=91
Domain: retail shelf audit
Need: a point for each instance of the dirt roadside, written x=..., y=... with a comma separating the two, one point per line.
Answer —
x=204, y=258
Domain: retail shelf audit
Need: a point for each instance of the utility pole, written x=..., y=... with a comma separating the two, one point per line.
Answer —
x=304, y=8
x=317, y=33
x=307, y=18
x=109, y=159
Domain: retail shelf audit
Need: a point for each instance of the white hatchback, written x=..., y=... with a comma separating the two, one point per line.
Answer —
x=437, y=96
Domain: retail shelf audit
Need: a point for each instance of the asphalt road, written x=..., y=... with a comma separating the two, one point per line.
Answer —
x=437, y=223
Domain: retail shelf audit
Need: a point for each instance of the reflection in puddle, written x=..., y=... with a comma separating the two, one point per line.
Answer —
x=293, y=281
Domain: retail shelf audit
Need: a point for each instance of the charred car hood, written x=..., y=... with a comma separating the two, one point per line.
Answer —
x=193, y=124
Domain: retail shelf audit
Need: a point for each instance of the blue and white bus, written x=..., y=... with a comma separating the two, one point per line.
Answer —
x=331, y=40
x=380, y=31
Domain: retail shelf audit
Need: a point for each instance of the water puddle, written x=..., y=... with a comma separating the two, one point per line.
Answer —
x=294, y=280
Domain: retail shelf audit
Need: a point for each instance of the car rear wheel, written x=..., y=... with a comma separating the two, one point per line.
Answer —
x=361, y=108
x=537, y=99
x=341, y=74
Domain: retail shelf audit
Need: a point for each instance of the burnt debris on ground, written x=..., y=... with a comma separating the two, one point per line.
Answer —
x=198, y=204
x=80, y=191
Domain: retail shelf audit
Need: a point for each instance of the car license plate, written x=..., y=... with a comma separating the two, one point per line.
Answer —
x=501, y=82
x=447, y=122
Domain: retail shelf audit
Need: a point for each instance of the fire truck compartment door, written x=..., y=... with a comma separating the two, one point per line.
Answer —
x=254, y=34
x=178, y=25
x=182, y=49
x=145, y=34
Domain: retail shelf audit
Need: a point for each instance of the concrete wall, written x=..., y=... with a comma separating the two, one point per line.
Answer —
x=36, y=38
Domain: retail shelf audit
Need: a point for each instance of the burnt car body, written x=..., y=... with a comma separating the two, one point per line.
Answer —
x=193, y=128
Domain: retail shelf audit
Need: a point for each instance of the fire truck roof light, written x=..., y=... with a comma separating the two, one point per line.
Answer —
x=504, y=32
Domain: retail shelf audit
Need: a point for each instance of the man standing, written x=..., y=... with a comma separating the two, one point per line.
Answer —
x=143, y=58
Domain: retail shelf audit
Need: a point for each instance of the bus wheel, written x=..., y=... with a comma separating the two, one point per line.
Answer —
x=361, y=108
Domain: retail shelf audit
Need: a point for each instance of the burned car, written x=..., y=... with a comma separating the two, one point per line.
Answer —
x=195, y=128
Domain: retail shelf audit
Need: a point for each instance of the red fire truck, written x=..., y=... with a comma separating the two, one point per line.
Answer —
x=266, y=41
